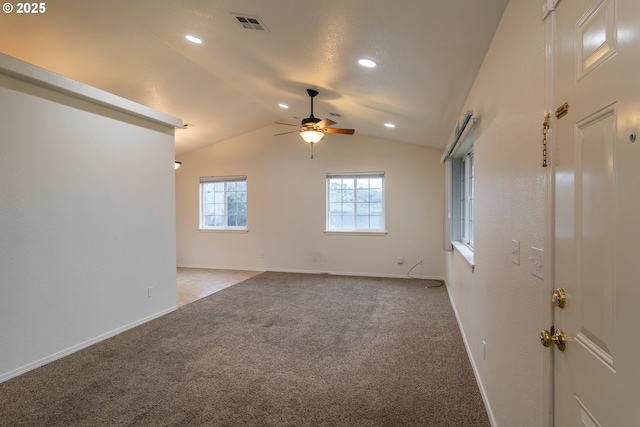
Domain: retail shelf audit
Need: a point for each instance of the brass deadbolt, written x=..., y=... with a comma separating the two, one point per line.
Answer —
x=559, y=298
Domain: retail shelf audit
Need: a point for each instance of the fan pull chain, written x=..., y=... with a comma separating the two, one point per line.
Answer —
x=312, y=150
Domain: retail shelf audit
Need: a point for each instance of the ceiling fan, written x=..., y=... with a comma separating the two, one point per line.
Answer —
x=312, y=129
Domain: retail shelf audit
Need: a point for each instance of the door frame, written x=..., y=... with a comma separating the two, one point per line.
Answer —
x=549, y=21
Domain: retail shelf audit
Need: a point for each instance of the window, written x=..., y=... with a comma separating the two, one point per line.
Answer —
x=459, y=169
x=466, y=204
x=355, y=202
x=223, y=203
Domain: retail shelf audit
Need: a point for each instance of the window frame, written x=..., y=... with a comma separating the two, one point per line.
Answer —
x=356, y=230
x=458, y=157
x=463, y=207
x=227, y=181
x=462, y=221
x=467, y=180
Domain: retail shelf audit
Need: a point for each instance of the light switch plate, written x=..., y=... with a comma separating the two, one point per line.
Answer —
x=536, y=262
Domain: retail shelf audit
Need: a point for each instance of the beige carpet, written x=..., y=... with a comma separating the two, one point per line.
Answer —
x=275, y=350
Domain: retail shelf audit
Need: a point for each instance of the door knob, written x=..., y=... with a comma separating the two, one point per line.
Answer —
x=559, y=298
x=547, y=338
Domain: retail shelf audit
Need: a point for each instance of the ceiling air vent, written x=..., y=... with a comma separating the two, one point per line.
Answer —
x=249, y=22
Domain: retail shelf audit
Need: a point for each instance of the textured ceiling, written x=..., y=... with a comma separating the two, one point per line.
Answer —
x=428, y=54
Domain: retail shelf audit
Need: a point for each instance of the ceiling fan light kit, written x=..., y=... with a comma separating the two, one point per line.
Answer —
x=312, y=129
x=312, y=136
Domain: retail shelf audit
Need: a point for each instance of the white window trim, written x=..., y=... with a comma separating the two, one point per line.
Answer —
x=466, y=253
x=224, y=230
x=355, y=232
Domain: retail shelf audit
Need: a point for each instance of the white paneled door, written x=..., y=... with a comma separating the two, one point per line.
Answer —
x=597, y=234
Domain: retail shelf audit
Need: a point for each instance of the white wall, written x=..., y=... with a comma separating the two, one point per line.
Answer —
x=87, y=216
x=286, y=206
x=502, y=303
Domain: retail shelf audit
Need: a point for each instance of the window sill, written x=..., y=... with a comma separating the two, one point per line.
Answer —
x=466, y=252
x=224, y=230
x=355, y=233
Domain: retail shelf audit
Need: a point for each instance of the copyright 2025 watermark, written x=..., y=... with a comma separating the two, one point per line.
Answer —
x=25, y=8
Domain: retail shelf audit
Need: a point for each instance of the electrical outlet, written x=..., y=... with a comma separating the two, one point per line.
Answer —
x=400, y=260
x=484, y=350
x=150, y=291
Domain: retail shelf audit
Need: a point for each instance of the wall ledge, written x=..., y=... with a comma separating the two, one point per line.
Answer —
x=466, y=253
x=39, y=76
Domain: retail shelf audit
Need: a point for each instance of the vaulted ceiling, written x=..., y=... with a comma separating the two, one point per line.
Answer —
x=428, y=53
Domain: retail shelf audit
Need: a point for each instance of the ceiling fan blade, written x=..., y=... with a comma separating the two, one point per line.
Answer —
x=284, y=133
x=325, y=122
x=338, y=130
x=288, y=124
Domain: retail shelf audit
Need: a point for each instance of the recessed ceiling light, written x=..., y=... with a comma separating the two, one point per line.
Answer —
x=367, y=63
x=283, y=106
x=390, y=125
x=193, y=39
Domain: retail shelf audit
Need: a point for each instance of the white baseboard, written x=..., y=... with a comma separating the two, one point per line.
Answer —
x=476, y=373
x=58, y=355
x=334, y=273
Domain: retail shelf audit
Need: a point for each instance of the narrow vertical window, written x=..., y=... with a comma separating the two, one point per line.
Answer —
x=467, y=191
x=459, y=168
x=223, y=203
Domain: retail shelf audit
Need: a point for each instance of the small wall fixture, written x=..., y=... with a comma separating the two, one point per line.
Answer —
x=177, y=164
